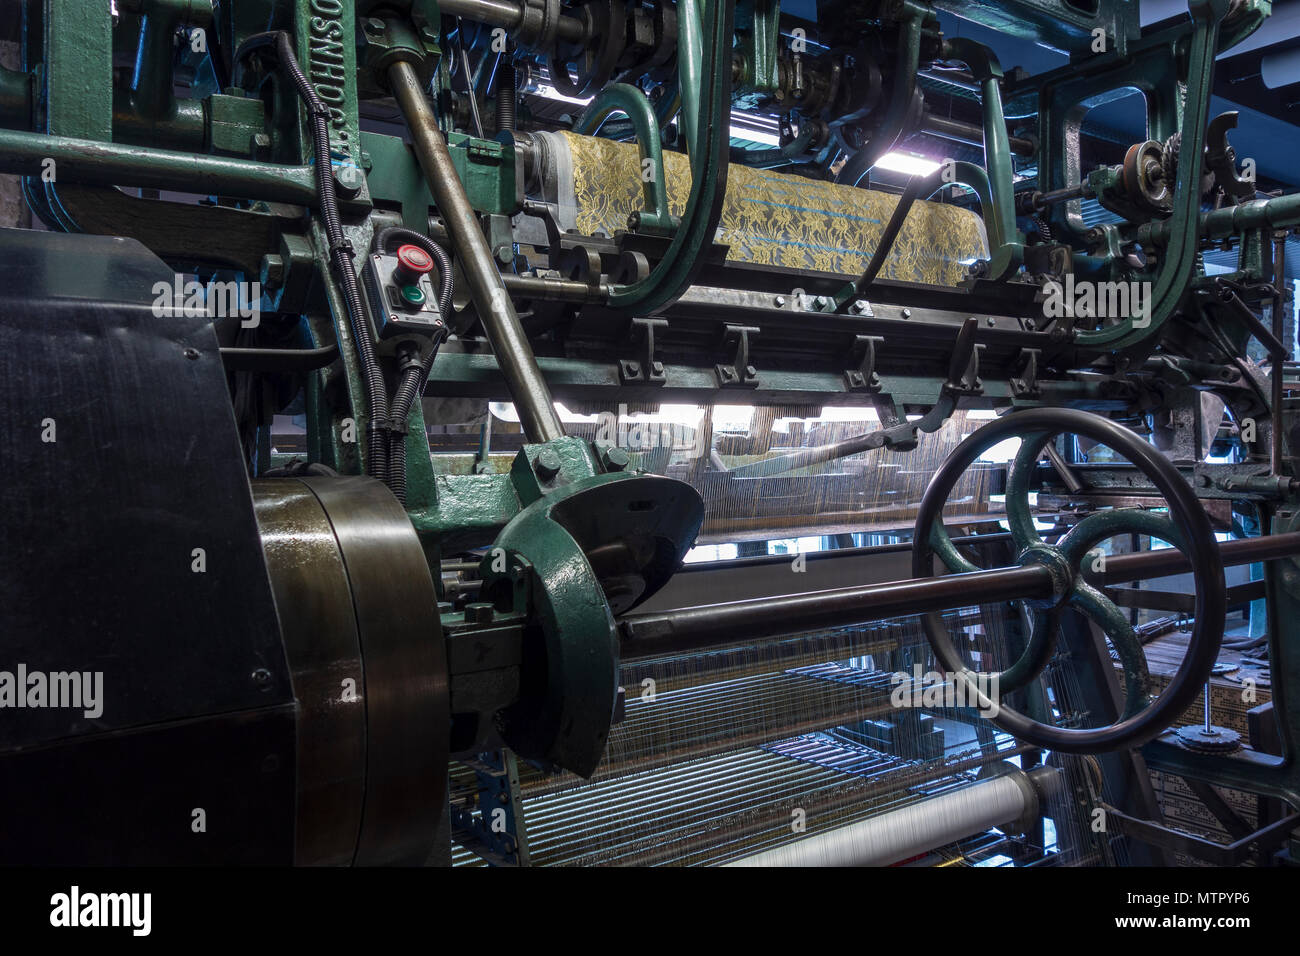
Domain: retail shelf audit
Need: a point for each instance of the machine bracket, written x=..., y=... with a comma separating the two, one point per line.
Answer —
x=740, y=372
x=964, y=368
x=1258, y=843
x=647, y=368
x=864, y=377
x=1026, y=385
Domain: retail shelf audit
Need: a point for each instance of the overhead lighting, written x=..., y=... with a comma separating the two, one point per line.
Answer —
x=754, y=135
x=908, y=163
x=551, y=93
x=751, y=134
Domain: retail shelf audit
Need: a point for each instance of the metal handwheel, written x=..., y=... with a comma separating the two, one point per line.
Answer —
x=1186, y=527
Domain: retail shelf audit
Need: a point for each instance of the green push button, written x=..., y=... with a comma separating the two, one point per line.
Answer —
x=413, y=296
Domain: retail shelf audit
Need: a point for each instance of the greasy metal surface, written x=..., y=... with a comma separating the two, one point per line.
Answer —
x=570, y=678
x=324, y=650
x=645, y=635
x=405, y=667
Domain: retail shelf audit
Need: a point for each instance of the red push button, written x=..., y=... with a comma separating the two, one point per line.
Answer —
x=412, y=263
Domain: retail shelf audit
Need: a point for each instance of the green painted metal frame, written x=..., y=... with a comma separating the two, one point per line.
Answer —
x=709, y=116
x=1063, y=97
x=1006, y=245
x=758, y=29
x=1178, y=265
x=109, y=164
x=82, y=120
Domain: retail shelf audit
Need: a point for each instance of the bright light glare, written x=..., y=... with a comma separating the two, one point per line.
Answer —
x=846, y=413
x=901, y=162
x=1002, y=452
x=737, y=132
x=832, y=414
x=688, y=415
x=751, y=135
x=506, y=412
x=732, y=418
x=711, y=552
x=551, y=93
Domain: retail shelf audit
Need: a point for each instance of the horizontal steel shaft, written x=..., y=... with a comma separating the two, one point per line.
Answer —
x=666, y=632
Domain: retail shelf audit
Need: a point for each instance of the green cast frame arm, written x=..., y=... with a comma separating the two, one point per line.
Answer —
x=625, y=98
x=709, y=149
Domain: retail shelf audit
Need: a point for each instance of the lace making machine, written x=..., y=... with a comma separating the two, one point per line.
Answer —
x=553, y=293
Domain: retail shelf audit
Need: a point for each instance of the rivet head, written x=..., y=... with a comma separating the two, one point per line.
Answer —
x=547, y=464
x=614, y=458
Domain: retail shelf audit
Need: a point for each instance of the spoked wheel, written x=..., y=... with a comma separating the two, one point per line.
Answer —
x=1186, y=527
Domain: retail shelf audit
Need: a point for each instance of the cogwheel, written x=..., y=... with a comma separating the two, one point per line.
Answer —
x=1169, y=161
x=1169, y=165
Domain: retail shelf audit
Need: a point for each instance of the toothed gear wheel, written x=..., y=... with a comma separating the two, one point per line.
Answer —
x=1169, y=161
x=1169, y=165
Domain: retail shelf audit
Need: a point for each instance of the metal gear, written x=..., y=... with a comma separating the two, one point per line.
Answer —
x=1169, y=160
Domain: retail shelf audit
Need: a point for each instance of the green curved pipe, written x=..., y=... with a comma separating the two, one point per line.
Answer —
x=687, y=254
x=690, y=52
x=1000, y=215
x=625, y=98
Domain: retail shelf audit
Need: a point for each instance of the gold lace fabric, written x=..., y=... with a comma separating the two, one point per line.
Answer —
x=770, y=218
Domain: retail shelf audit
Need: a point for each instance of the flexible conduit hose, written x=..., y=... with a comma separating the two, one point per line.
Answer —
x=378, y=430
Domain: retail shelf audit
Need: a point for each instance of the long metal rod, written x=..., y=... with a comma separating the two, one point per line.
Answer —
x=503, y=13
x=532, y=396
x=649, y=635
x=1155, y=564
x=553, y=290
x=688, y=629
x=972, y=134
x=1068, y=477
x=112, y=164
x=1275, y=382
